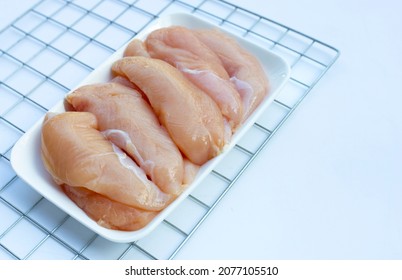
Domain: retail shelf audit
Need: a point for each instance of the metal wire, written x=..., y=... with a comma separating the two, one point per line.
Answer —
x=68, y=239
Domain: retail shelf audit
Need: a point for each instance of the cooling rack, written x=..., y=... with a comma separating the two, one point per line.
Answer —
x=53, y=46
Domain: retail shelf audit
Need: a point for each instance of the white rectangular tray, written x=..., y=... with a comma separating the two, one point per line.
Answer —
x=26, y=158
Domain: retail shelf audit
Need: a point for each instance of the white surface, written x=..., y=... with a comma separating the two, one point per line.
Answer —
x=26, y=157
x=328, y=185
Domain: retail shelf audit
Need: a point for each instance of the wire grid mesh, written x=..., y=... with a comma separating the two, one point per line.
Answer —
x=49, y=49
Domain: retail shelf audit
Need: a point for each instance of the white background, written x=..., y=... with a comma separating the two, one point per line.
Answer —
x=329, y=184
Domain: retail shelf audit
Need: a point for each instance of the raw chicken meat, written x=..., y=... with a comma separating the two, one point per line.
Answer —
x=106, y=212
x=129, y=122
x=190, y=171
x=191, y=117
x=181, y=48
x=136, y=48
x=137, y=141
x=125, y=82
x=245, y=70
x=76, y=153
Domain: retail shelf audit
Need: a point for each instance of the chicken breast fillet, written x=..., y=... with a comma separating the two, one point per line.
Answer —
x=76, y=153
x=244, y=69
x=128, y=121
x=108, y=213
x=181, y=48
x=191, y=117
x=136, y=47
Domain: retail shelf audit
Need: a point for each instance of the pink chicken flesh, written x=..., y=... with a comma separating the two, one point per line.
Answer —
x=108, y=213
x=76, y=154
x=191, y=117
x=181, y=48
x=244, y=69
x=128, y=121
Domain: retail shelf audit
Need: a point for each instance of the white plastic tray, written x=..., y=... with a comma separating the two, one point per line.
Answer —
x=26, y=158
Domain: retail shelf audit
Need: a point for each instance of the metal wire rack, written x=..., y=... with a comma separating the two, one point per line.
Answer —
x=50, y=48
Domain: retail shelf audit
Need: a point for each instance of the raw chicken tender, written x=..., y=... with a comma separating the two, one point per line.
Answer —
x=128, y=121
x=190, y=171
x=76, y=153
x=136, y=48
x=106, y=212
x=245, y=70
x=181, y=48
x=191, y=117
